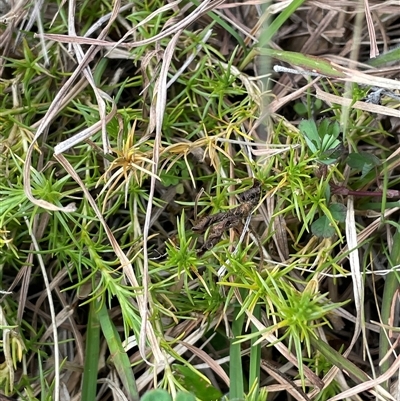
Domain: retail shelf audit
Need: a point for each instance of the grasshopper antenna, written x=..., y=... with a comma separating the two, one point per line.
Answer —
x=196, y=202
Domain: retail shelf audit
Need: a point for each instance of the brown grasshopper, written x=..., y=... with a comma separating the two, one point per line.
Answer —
x=221, y=222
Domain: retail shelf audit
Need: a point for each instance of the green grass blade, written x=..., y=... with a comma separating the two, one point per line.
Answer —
x=310, y=63
x=268, y=33
x=226, y=26
x=235, y=366
x=255, y=352
x=89, y=382
x=339, y=360
x=388, y=57
x=392, y=285
x=273, y=28
x=118, y=354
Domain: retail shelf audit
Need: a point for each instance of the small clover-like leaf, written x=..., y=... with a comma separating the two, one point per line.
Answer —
x=322, y=228
x=300, y=109
x=364, y=162
x=157, y=395
x=338, y=211
x=183, y=396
